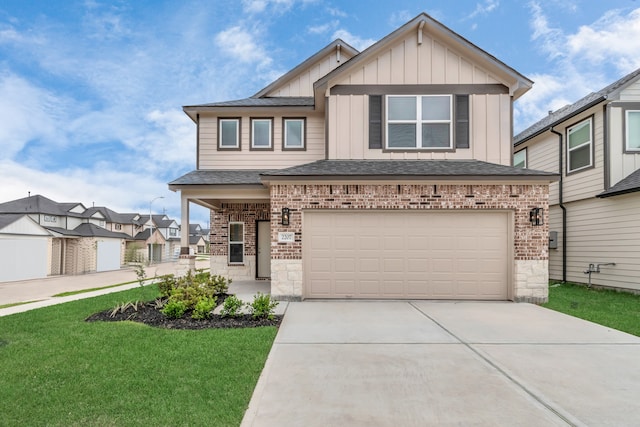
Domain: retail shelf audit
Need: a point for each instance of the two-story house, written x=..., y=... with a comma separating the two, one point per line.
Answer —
x=385, y=173
x=594, y=144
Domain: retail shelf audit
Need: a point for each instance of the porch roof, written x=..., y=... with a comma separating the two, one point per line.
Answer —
x=221, y=177
x=630, y=184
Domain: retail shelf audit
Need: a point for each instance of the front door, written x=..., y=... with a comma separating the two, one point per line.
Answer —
x=264, y=250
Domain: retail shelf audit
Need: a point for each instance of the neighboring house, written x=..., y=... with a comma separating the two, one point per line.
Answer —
x=24, y=248
x=79, y=240
x=385, y=173
x=197, y=245
x=595, y=207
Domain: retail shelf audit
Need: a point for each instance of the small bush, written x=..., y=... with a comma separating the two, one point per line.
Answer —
x=263, y=307
x=174, y=309
x=203, y=308
x=231, y=306
x=166, y=285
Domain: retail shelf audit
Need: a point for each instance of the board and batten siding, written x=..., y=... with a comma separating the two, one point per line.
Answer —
x=490, y=131
x=599, y=231
x=407, y=62
x=622, y=164
x=211, y=158
x=302, y=84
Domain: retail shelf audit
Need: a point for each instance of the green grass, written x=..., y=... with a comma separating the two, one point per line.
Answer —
x=17, y=303
x=618, y=310
x=58, y=370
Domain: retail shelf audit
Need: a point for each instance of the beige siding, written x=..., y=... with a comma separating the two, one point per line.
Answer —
x=622, y=164
x=489, y=129
x=631, y=92
x=599, y=231
x=211, y=158
x=407, y=62
x=542, y=154
x=302, y=83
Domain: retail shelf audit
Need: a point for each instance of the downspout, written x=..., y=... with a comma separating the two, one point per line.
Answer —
x=560, y=203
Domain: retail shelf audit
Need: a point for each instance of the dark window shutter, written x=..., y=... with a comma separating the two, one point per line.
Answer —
x=462, y=121
x=375, y=121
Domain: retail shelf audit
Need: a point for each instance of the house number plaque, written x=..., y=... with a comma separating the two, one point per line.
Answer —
x=286, y=237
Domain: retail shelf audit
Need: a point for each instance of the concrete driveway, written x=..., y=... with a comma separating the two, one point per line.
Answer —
x=422, y=363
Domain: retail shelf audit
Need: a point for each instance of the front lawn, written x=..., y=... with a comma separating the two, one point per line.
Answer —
x=58, y=370
x=618, y=310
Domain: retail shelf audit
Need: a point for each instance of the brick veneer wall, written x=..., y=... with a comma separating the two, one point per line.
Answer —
x=248, y=213
x=530, y=243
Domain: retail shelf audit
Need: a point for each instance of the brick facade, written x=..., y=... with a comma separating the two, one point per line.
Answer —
x=530, y=243
x=530, y=253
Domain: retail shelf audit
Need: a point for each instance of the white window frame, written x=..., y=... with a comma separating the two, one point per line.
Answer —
x=235, y=242
x=238, y=123
x=588, y=143
x=626, y=132
x=524, y=152
x=253, y=133
x=418, y=122
x=285, y=145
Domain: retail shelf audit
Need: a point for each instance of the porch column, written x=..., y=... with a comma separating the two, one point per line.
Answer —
x=184, y=220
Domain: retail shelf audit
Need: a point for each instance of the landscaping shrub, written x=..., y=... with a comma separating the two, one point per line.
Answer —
x=231, y=306
x=174, y=309
x=203, y=308
x=263, y=307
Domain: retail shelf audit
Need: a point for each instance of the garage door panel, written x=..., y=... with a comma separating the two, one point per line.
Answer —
x=406, y=254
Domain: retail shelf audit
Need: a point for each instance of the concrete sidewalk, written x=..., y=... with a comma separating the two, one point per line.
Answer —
x=40, y=292
x=423, y=363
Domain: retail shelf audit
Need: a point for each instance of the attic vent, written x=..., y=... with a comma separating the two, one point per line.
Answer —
x=420, y=31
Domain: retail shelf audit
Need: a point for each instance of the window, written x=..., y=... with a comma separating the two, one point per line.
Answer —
x=293, y=134
x=632, y=135
x=173, y=232
x=49, y=218
x=118, y=226
x=520, y=159
x=229, y=134
x=579, y=142
x=261, y=131
x=236, y=242
x=419, y=122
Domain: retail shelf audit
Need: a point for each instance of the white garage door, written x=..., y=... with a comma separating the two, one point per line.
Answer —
x=108, y=255
x=23, y=258
x=406, y=254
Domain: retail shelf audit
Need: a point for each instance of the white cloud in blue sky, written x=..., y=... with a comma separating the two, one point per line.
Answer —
x=91, y=91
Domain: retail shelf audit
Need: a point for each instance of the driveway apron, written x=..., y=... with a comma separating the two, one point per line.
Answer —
x=418, y=363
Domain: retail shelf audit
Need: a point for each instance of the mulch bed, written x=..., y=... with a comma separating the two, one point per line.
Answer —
x=148, y=314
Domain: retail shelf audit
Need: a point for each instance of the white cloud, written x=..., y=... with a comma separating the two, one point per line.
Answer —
x=355, y=41
x=551, y=39
x=400, y=17
x=240, y=44
x=484, y=8
x=323, y=28
x=334, y=11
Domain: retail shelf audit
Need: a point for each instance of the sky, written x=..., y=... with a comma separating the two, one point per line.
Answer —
x=91, y=92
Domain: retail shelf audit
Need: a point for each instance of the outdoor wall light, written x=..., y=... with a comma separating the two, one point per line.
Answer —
x=285, y=216
x=536, y=216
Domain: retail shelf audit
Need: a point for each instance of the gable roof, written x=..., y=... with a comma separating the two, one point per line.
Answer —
x=40, y=204
x=273, y=101
x=112, y=216
x=20, y=224
x=403, y=169
x=568, y=111
x=336, y=44
x=520, y=83
x=630, y=184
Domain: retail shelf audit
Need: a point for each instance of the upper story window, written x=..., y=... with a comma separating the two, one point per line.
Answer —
x=261, y=134
x=293, y=133
x=520, y=159
x=50, y=218
x=632, y=131
x=580, y=146
x=229, y=133
x=173, y=232
x=118, y=226
x=419, y=122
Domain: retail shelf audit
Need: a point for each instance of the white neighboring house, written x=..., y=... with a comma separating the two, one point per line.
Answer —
x=24, y=248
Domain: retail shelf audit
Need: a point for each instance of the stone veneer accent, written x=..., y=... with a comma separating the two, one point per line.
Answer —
x=530, y=243
x=249, y=213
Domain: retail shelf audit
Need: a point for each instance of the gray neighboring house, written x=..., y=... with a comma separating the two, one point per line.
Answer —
x=594, y=214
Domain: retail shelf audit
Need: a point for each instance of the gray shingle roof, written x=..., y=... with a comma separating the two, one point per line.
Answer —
x=276, y=101
x=220, y=177
x=39, y=204
x=6, y=219
x=568, y=111
x=406, y=168
x=630, y=184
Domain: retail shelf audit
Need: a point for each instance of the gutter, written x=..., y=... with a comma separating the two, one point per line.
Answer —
x=561, y=204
